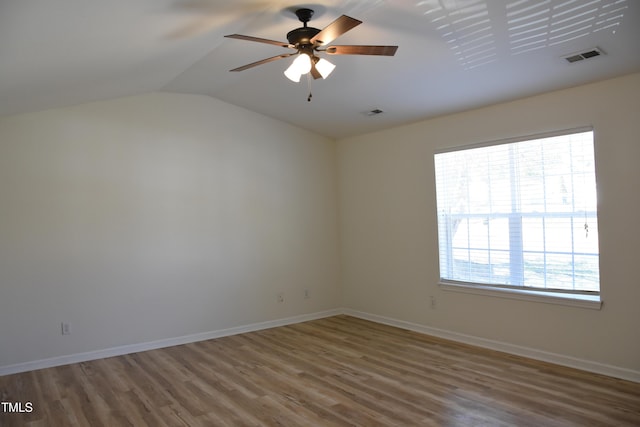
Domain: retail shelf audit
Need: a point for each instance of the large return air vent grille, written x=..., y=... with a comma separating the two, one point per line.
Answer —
x=576, y=57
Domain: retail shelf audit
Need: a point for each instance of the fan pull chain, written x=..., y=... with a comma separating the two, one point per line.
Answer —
x=309, y=86
x=586, y=224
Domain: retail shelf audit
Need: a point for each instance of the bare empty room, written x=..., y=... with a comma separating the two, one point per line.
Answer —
x=218, y=213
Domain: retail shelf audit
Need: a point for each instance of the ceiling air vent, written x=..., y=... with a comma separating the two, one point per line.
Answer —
x=576, y=57
x=374, y=112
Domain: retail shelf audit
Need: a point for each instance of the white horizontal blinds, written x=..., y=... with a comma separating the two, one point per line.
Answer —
x=520, y=214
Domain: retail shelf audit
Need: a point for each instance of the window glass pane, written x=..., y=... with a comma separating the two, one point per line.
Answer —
x=460, y=233
x=559, y=271
x=585, y=234
x=480, y=270
x=531, y=177
x=586, y=272
x=460, y=265
x=478, y=233
x=559, y=235
x=499, y=172
x=499, y=233
x=500, y=271
x=558, y=193
x=533, y=234
x=534, y=270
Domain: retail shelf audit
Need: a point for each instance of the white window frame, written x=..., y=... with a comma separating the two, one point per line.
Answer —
x=575, y=299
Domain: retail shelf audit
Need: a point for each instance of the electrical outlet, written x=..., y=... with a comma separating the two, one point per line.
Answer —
x=281, y=297
x=307, y=294
x=65, y=328
x=433, y=302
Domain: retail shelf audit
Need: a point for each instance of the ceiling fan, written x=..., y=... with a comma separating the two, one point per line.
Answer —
x=308, y=41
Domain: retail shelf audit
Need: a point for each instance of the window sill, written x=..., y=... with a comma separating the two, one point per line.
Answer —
x=572, y=300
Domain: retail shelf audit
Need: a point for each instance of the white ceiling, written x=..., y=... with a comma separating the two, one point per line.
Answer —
x=453, y=55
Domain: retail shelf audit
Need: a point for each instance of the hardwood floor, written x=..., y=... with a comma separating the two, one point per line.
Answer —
x=330, y=372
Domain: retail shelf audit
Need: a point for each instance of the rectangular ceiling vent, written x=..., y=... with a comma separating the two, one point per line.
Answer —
x=374, y=112
x=577, y=57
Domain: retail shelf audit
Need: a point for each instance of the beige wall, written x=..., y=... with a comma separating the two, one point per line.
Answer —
x=389, y=236
x=158, y=216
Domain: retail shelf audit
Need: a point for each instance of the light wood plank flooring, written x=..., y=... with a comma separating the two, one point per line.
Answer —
x=330, y=372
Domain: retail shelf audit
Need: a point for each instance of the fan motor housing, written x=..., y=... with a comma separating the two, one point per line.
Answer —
x=302, y=36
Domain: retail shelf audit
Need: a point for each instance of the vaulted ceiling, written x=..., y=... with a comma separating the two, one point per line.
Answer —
x=453, y=55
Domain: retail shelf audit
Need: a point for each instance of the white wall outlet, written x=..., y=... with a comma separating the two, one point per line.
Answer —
x=65, y=328
x=307, y=294
x=281, y=297
x=433, y=302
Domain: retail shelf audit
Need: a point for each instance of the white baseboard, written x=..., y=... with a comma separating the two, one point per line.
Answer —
x=152, y=345
x=558, y=359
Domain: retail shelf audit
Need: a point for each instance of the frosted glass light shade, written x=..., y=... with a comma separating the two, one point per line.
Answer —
x=292, y=74
x=324, y=67
x=301, y=65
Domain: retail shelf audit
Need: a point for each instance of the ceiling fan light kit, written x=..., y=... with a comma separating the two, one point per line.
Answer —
x=324, y=67
x=308, y=41
x=301, y=65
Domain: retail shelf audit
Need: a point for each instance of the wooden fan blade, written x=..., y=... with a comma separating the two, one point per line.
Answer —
x=259, y=40
x=335, y=30
x=315, y=73
x=264, y=61
x=362, y=50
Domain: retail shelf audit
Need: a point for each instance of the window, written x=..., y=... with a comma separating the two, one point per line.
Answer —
x=520, y=215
